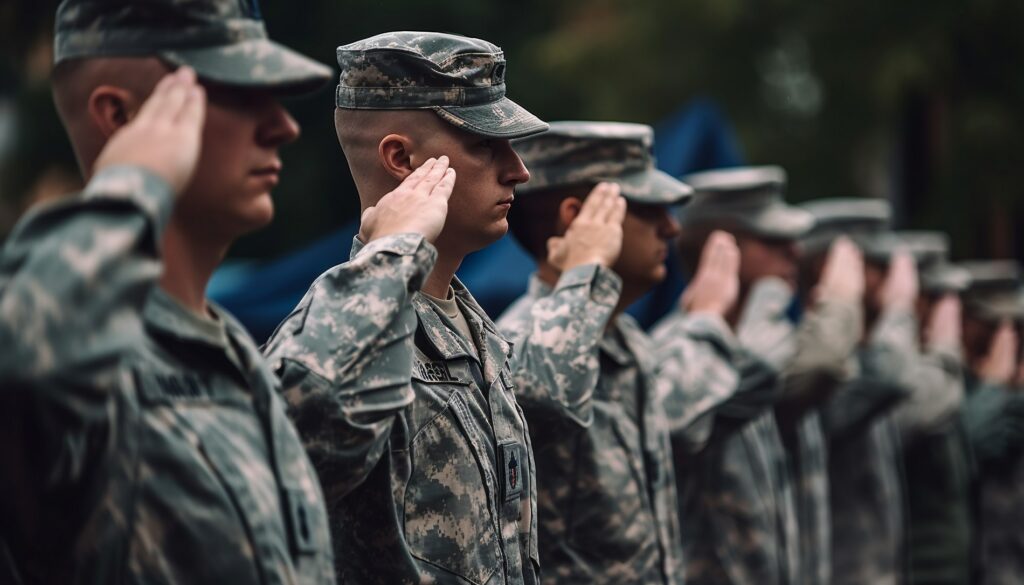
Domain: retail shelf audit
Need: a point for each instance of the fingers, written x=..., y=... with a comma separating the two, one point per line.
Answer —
x=414, y=178
x=445, y=186
x=594, y=203
x=617, y=214
x=157, y=103
x=433, y=176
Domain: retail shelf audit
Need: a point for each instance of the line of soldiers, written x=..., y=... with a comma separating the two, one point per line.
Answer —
x=391, y=432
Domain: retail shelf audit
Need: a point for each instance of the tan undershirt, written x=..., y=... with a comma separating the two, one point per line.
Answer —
x=451, y=310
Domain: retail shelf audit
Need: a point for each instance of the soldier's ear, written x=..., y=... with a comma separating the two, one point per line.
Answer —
x=568, y=209
x=395, y=154
x=111, y=107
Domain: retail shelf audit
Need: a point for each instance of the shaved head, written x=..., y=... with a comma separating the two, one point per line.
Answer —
x=78, y=87
x=360, y=133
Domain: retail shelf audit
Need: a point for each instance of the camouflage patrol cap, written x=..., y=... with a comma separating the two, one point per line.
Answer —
x=931, y=250
x=745, y=198
x=460, y=78
x=225, y=41
x=865, y=221
x=574, y=154
x=994, y=292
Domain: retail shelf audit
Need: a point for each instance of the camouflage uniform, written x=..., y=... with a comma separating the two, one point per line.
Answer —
x=423, y=451
x=865, y=463
x=744, y=487
x=145, y=444
x=160, y=449
x=589, y=383
x=993, y=419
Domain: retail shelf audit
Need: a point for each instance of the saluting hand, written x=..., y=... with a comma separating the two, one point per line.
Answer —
x=716, y=283
x=901, y=283
x=944, y=322
x=595, y=235
x=999, y=364
x=419, y=205
x=166, y=134
x=843, y=275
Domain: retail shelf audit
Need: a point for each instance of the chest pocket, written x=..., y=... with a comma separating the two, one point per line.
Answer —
x=202, y=444
x=448, y=517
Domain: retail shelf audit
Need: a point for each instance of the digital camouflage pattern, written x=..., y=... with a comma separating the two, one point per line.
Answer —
x=225, y=41
x=865, y=455
x=993, y=416
x=811, y=370
x=586, y=153
x=736, y=505
x=150, y=444
x=601, y=410
x=461, y=79
x=423, y=451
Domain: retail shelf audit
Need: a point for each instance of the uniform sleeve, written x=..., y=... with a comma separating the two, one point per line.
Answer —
x=825, y=340
x=344, y=357
x=74, y=276
x=937, y=379
x=882, y=383
x=555, y=361
x=992, y=418
x=695, y=355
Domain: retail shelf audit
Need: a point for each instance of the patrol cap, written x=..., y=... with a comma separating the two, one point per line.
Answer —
x=994, y=292
x=865, y=221
x=749, y=198
x=574, y=154
x=460, y=78
x=931, y=250
x=225, y=41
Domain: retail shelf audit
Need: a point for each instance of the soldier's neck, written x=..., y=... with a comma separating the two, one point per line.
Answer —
x=440, y=278
x=189, y=263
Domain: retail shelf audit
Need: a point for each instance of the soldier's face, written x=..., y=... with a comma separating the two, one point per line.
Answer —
x=765, y=257
x=239, y=163
x=487, y=171
x=646, y=233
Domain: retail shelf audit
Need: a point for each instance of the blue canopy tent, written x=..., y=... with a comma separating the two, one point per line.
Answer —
x=261, y=294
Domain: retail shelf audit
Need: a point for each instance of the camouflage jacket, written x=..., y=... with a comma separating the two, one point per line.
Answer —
x=994, y=423
x=865, y=459
x=141, y=443
x=819, y=350
x=600, y=415
x=422, y=449
x=738, y=517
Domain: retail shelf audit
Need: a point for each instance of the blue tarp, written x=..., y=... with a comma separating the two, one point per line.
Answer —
x=261, y=294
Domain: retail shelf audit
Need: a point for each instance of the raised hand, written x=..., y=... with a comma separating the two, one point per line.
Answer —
x=716, y=283
x=595, y=235
x=1000, y=363
x=166, y=134
x=901, y=283
x=419, y=205
x=943, y=326
x=843, y=275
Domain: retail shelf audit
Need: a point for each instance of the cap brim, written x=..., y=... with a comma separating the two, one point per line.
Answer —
x=653, y=187
x=945, y=278
x=500, y=119
x=777, y=221
x=255, y=63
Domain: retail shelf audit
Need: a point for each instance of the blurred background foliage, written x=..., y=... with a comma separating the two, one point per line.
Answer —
x=916, y=101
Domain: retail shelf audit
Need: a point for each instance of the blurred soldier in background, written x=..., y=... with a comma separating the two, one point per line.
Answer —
x=993, y=416
x=755, y=499
x=600, y=405
x=424, y=456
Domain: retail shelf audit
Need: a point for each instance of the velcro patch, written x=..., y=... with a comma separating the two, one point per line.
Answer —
x=513, y=469
x=434, y=372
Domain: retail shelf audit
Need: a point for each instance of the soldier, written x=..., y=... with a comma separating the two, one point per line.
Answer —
x=860, y=421
x=424, y=458
x=993, y=416
x=761, y=480
x=600, y=412
x=143, y=437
